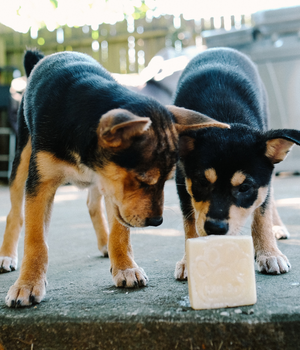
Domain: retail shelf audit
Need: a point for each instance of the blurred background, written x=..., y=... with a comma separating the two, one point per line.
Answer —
x=146, y=44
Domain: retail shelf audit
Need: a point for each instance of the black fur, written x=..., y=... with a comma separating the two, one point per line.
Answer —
x=31, y=58
x=66, y=96
x=224, y=84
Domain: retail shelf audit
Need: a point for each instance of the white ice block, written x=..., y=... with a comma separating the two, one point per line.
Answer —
x=220, y=271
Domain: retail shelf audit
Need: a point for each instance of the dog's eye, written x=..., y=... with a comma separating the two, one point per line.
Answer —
x=245, y=187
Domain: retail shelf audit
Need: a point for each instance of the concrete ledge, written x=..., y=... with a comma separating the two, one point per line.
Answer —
x=156, y=334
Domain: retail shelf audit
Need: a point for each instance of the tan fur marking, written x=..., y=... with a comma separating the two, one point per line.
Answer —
x=238, y=178
x=211, y=175
x=119, y=247
x=172, y=138
x=15, y=217
x=50, y=167
x=201, y=210
x=150, y=177
x=190, y=232
x=123, y=267
x=188, y=185
x=238, y=215
x=276, y=218
x=263, y=238
x=131, y=202
x=96, y=211
x=32, y=277
x=172, y=173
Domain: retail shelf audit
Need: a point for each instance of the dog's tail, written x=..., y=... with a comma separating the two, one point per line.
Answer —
x=31, y=58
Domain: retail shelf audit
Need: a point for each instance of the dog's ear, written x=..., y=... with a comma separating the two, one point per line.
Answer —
x=186, y=119
x=186, y=145
x=279, y=143
x=118, y=126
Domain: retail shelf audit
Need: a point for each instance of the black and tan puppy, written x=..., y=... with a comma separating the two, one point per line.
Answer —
x=77, y=125
x=224, y=175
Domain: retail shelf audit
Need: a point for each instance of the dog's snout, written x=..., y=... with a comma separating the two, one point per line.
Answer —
x=216, y=227
x=155, y=221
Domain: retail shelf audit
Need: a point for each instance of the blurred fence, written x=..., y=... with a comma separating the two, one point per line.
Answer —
x=124, y=47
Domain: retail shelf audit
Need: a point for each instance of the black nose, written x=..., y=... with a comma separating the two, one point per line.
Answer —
x=155, y=221
x=216, y=227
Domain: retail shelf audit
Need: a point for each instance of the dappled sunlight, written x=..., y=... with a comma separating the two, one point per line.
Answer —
x=22, y=15
x=288, y=202
x=291, y=241
x=2, y=218
x=157, y=232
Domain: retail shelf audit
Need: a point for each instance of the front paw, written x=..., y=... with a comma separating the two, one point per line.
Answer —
x=130, y=278
x=103, y=250
x=25, y=293
x=8, y=264
x=181, y=272
x=273, y=264
x=280, y=232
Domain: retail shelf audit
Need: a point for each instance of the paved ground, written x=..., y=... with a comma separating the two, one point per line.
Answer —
x=83, y=310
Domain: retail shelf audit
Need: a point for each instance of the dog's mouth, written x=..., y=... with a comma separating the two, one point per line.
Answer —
x=120, y=218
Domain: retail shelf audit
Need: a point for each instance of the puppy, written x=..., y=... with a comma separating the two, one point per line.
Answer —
x=77, y=125
x=224, y=175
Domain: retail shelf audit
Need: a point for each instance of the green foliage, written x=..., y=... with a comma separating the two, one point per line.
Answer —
x=54, y=3
x=140, y=12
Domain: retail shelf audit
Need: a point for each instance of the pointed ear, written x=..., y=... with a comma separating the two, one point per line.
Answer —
x=186, y=119
x=280, y=142
x=118, y=126
x=186, y=145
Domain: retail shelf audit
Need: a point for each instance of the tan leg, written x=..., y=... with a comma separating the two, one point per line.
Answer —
x=268, y=257
x=125, y=271
x=30, y=287
x=181, y=272
x=14, y=223
x=279, y=229
x=96, y=210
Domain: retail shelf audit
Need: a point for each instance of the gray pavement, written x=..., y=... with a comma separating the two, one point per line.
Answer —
x=83, y=309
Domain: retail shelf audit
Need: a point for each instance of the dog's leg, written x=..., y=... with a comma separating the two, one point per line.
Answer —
x=9, y=248
x=181, y=272
x=124, y=270
x=279, y=229
x=189, y=222
x=96, y=210
x=30, y=287
x=268, y=257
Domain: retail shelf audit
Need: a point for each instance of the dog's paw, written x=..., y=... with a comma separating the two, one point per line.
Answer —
x=273, y=265
x=280, y=232
x=104, y=250
x=8, y=264
x=25, y=294
x=130, y=278
x=181, y=272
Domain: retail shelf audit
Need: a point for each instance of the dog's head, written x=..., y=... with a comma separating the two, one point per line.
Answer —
x=228, y=173
x=140, y=154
